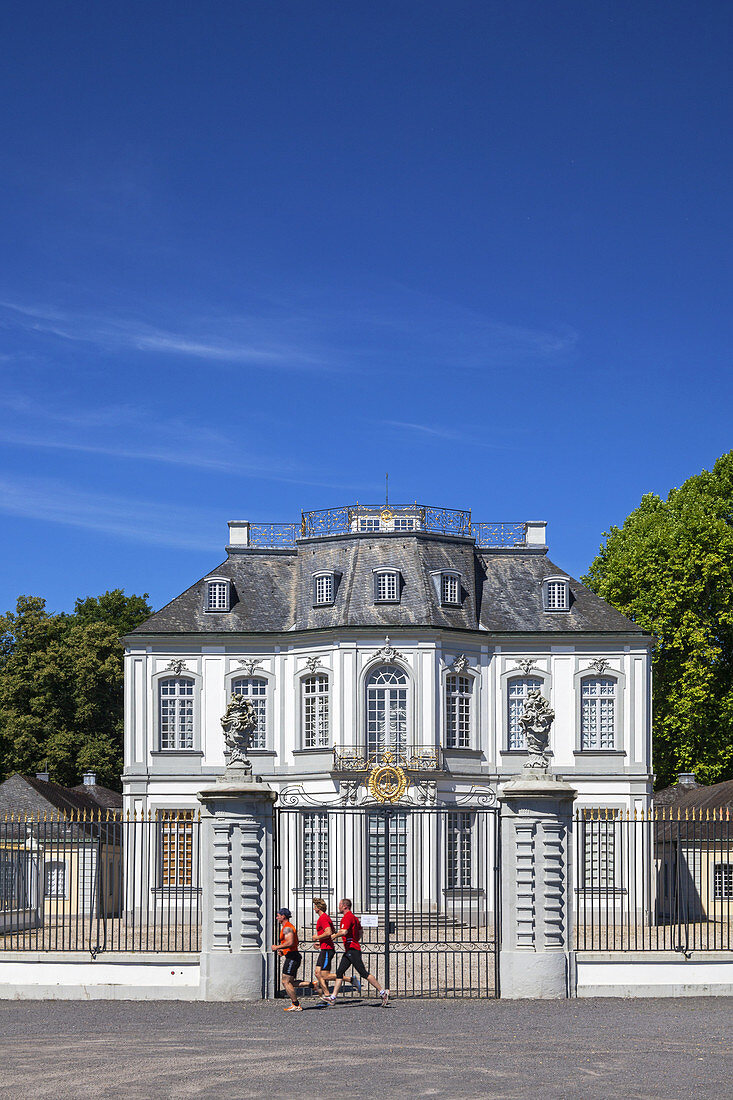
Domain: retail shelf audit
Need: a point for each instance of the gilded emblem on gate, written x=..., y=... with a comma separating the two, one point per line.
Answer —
x=387, y=783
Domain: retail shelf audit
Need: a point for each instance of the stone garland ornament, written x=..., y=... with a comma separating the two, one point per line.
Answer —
x=249, y=667
x=460, y=664
x=600, y=665
x=536, y=719
x=312, y=663
x=527, y=665
x=388, y=653
x=177, y=667
x=239, y=723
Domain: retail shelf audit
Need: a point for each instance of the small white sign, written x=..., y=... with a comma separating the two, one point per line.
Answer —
x=369, y=920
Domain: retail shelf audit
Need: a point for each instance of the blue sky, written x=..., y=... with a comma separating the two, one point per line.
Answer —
x=256, y=254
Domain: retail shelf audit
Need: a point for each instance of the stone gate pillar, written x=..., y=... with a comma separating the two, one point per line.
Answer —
x=236, y=871
x=536, y=884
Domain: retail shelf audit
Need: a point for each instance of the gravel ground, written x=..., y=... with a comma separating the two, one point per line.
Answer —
x=671, y=1049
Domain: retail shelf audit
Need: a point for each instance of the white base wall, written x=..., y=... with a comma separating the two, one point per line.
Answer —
x=52, y=976
x=652, y=974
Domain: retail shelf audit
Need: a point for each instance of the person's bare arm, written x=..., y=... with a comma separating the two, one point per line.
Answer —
x=285, y=945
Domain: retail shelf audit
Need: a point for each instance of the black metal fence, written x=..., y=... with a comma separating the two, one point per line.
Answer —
x=659, y=882
x=424, y=882
x=100, y=882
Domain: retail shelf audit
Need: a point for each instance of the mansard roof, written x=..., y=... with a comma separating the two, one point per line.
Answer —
x=272, y=590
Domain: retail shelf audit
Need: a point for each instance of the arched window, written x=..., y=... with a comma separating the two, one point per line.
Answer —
x=518, y=689
x=386, y=708
x=255, y=689
x=175, y=711
x=458, y=693
x=597, y=713
x=315, y=711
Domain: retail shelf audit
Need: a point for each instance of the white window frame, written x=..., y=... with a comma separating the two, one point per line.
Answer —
x=52, y=867
x=459, y=826
x=515, y=673
x=166, y=674
x=178, y=740
x=611, y=673
x=222, y=585
x=320, y=579
x=450, y=584
x=178, y=825
x=391, y=575
x=321, y=698
x=239, y=675
x=472, y=679
x=600, y=832
x=316, y=867
x=551, y=585
x=723, y=880
x=407, y=686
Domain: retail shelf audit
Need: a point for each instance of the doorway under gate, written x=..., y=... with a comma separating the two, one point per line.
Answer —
x=423, y=880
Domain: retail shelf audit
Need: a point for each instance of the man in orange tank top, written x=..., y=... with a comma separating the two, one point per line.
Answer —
x=287, y=948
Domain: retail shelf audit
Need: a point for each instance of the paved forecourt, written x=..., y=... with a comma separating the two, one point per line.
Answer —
x=565, y=1050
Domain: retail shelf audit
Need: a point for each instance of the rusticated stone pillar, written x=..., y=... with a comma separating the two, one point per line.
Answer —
x=236, y=864
x=536, y=884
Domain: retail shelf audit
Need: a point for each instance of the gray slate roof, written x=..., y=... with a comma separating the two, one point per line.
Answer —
x=25, y=794
x=272, y=591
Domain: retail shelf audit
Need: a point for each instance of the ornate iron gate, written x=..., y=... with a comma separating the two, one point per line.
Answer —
x=423, y=880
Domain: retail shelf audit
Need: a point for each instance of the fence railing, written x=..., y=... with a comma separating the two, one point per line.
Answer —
x=100, y=882
x=658, y=882
x=366, y=519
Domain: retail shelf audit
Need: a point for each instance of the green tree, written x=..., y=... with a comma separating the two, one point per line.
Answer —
x=670, y=569
x=61, y=679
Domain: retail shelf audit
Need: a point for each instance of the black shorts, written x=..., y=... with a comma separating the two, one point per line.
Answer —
x=325, y=958
x=292, y=962
x=352, y=957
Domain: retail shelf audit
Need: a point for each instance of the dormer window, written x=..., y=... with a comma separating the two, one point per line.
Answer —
x=217, y=594
x=450, y=589
x=555, y=594
x=324, y=588
x=447, y=584
x=386, y=586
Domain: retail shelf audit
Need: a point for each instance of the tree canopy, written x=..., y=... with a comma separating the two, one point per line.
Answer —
x=670, y=569
x=61, y=678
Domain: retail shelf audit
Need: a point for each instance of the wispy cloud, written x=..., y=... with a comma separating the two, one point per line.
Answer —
x=113, y=334
x=126, y=433
x=392, y=330
x=450, y=434
x=124, y=517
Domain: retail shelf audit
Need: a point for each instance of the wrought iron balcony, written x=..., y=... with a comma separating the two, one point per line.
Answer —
x=364, y=518
x=413, y=758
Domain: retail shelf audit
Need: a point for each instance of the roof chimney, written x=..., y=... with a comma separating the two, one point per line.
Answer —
x=687, y=779
x=43, y=776
x=90, y=779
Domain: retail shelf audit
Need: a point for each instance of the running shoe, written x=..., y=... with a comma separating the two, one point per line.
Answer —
x=293, y=1008
x=355, y=983
x=385, y=997
x=331, y=1002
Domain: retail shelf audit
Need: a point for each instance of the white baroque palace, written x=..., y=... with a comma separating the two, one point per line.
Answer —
x=404, y=630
